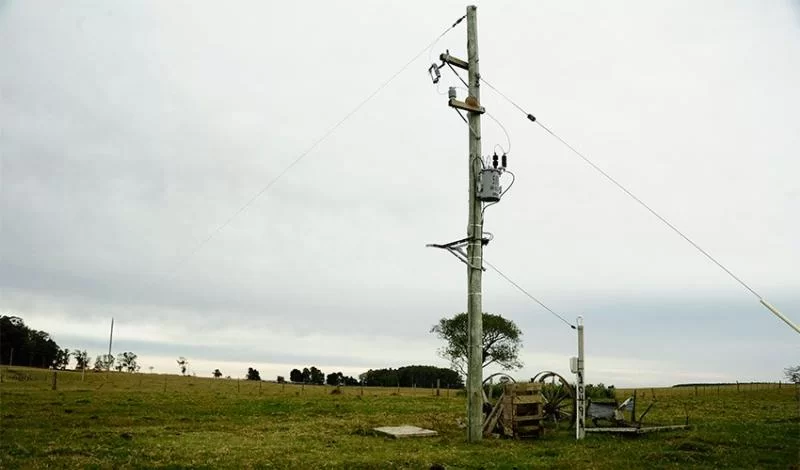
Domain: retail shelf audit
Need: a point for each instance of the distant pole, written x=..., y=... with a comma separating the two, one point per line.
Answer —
x=55, y=380
x=11, y=359
x=111, y=337
x=475, y=246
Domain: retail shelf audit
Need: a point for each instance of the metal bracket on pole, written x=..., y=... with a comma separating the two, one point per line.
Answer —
x=456, y=248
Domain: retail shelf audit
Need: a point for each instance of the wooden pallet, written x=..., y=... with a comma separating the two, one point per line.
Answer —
x=518, y=412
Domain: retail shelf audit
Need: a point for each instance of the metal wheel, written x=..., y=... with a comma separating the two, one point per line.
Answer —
x=559, y=399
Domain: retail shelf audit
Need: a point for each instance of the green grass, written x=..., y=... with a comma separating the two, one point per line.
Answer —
x=129, y=421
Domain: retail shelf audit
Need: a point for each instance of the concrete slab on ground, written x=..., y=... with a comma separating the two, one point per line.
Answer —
x=405, y=431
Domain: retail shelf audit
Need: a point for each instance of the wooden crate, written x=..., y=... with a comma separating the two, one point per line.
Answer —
x=519, y=410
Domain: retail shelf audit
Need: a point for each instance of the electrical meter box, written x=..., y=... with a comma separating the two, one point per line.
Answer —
x=573, y=365
x=489, y=189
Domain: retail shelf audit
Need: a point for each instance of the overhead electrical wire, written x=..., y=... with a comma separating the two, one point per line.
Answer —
x=527, y=293
x=619, y=185
x=314, y=145
x=506, y=151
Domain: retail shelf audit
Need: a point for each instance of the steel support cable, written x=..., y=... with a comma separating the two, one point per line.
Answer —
x=527, y=293
x=484, y=208
x=619, y=185
x=314, y=145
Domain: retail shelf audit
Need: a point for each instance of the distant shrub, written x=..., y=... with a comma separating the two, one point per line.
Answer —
x=600, y=391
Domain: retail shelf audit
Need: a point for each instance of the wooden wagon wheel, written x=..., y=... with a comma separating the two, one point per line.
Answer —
x=486, y=382
x=559, y=399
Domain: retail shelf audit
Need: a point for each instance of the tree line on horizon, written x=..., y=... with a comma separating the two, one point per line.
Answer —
x=25, y=346
x=407, y=376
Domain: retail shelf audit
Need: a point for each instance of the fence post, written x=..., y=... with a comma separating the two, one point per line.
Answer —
x=737, y=385
x=437, y=388
x=238, y=387
x=259, y=387
x=55, y=380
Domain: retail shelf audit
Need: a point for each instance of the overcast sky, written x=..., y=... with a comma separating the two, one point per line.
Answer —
x=130, y=131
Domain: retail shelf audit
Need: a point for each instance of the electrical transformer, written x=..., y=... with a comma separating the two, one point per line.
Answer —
x=489, y=189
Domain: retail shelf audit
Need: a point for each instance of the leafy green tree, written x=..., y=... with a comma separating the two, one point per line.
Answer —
x=407, y=376
x=501, y=341
x=252, y=374
x=295, y=375
x=217, y=374
x=28, y=347
x=62, y=359
x=183, y=364
x=350, y=381
x=127, y=361
x=316, y=376
x=103, y=362
x=81, y=359
x=792, y=374
x=334, y=378
x=306, y=375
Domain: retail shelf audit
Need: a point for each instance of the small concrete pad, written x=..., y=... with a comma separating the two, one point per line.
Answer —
x=405, y=431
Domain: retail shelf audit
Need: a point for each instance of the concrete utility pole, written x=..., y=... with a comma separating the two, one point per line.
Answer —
x=475, y=234
x=474, y=241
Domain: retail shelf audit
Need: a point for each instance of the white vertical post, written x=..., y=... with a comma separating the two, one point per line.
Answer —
x=580, y=415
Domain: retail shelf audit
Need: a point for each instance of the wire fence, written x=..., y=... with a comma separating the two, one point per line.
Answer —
x=32, y=379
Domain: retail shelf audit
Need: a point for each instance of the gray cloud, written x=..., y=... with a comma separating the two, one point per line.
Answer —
x=130, y=132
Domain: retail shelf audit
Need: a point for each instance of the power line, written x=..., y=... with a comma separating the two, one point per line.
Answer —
x=527, y=293
x=619, y=185
x=313, y=146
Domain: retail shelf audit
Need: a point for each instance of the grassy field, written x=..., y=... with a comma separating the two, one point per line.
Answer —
x=118, y=420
